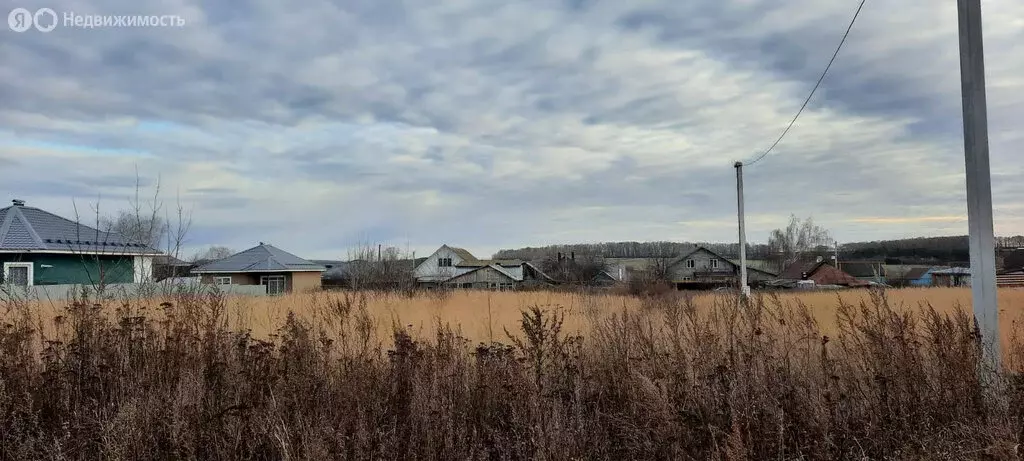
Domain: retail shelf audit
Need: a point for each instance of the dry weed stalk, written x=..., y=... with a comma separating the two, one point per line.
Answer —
x=671, y=380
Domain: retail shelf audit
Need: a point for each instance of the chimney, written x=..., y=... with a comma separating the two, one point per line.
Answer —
x=573, y=257
x=559, y=256
x=18, y=202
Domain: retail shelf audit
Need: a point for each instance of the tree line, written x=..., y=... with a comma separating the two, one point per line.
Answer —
x=800, y=239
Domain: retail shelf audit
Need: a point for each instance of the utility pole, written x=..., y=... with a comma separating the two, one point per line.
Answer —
x=743, y=235
x=979, y=185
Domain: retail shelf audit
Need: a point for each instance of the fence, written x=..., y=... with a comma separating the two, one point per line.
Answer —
x=124, y=291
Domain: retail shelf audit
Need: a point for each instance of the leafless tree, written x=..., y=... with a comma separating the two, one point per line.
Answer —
x=797, y=239
x=572, y=268
x=213, y=253
x=379, y=268
x=139, y=222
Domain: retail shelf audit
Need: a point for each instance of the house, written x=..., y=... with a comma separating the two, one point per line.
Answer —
x=866, y=271
x=919, y=277
x=1010, y=278
x=40, y=248
x=456, y=267
x=267, y=265
x=952, y=277
x=336, y=273
x=166, y=266
x=820, y=272
x=702, y=268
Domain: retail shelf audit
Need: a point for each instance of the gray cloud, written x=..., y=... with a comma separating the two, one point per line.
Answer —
x=493, y=124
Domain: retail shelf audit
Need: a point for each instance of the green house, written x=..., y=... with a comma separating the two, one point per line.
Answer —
x=40, y=248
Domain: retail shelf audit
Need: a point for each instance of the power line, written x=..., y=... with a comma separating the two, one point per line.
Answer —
x=816, y=85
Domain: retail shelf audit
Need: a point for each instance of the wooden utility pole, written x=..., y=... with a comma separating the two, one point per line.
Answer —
x=979, y=185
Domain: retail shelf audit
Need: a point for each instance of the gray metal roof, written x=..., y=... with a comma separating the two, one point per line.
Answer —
x=261, y=258
x=24, y=228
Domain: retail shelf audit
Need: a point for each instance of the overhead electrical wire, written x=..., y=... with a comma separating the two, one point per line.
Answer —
x=816, y=85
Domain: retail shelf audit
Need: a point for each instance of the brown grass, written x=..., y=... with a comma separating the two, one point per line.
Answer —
x=482, y=315
x=508, y=376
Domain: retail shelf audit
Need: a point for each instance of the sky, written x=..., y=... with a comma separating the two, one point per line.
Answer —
x=319, y=126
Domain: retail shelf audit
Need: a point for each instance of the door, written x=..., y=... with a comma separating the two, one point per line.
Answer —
x=274, y=283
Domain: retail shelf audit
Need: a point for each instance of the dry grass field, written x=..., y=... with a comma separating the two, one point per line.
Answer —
x=483, y=316
x=370, y=376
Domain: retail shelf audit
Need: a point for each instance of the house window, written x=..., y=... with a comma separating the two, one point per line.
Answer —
x=222, y=280
x=274, y=283
x=19, y=274
x=714, y=264
x=444, y=262
x=690, y=264
x=507, y=286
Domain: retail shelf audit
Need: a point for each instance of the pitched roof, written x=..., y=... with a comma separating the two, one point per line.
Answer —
x=463, y=253
x=827, y=274
x=495, y=267
x=168, y=260
x=261, y=258
x=797, y=270
x=488, y=262
x=863, y=268
x=953, y=271
x=694, y=251
x=916, y=273
x=27, y=228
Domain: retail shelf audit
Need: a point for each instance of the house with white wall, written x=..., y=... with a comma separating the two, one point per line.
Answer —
x=456, y=267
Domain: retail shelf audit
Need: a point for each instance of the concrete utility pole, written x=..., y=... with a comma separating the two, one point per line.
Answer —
x=979, y=186
x=743, y=234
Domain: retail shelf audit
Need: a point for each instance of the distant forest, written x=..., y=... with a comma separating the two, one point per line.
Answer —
x=953, y=249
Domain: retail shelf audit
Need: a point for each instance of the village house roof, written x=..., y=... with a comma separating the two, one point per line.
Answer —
x=916, y=273
x=864, y=269
x=822, y=272
x=28, y=229
x=463, y=253
x=261, y=258
x=735, y=263
x=488, y=262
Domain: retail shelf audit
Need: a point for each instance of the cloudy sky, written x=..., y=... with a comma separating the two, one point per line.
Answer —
x=320, y=125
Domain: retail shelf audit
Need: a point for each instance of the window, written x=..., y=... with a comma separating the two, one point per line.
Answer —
x=274, y=283
x=690, y=264
x=507, y=286
x=19, y=274
x=444, y=262
x=222, y=280
x=714, y=264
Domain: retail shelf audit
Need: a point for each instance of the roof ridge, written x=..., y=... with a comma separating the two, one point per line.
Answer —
x=6, y=225
x=16, y=214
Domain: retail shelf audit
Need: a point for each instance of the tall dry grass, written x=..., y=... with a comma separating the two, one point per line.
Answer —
x=564, y=377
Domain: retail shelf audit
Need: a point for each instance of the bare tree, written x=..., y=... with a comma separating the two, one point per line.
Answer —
x=797, y=239
x=379, y=268
x=139, y=223
x=213, y=253
x=572, y=268
x=147, y=224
